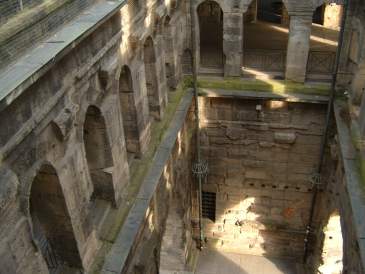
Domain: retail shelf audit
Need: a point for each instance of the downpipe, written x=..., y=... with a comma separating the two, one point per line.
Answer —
x=197, y=118
x=326, y=130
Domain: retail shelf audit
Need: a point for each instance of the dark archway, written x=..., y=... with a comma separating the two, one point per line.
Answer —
x=211, y=34
x=318, y=15
x=98, y=154
x=270, y=11
x=169, y=54
x=151, y=78
x=51, y=222
x=130, y=121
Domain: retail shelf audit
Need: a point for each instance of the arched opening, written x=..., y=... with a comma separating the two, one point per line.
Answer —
x=130, y=122
x=211, y=34
x=265, y=39
x=98, y=154
x=151, y=78
x=270, y=11
x=186, y=62
x=169, y=54
x=323, y=42
x=332, y=251
x=52, y=228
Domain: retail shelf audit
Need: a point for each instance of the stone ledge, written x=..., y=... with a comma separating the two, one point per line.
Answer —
x=353, y=180
x=118, y=255
x=28, y=69
x=298, y=98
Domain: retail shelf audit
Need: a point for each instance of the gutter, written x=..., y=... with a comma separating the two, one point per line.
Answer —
x=198, y=165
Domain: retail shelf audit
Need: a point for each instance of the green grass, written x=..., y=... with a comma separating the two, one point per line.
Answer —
x=269, y=85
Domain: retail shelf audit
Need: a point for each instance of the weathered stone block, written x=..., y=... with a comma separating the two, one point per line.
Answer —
x=285, y=138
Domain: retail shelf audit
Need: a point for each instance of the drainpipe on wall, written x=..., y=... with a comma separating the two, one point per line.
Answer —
x=197, y=168
x=316, y=177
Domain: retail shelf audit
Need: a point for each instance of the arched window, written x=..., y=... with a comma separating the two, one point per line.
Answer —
x=151, y=78
x=98, y=154
x=52, y=228
x=169, y=54
x=130, y=122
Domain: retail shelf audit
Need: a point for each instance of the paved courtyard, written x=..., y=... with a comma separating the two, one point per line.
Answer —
x=215, y=262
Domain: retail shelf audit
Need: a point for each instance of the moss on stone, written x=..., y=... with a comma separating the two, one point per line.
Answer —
x=269, y=85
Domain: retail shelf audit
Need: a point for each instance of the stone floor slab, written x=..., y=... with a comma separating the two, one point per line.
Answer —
x=216, y=262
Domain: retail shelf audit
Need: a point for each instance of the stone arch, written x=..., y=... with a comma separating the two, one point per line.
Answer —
x=98, y=154
x=332, y=246
x=129, y=112
x=210, y=18
x=51, y=222
x=270, y=11
x=187, y=62
x=169, y=53
x=149, y=57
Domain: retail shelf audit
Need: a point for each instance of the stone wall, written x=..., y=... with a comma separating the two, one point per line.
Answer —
x=340, y=194
x=261, y=156
x=46, y=127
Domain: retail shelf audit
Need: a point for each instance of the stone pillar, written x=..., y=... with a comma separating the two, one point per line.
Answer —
x=298, y=47
x=232, y=43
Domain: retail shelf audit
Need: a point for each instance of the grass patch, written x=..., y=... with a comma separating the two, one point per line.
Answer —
x=269, y=85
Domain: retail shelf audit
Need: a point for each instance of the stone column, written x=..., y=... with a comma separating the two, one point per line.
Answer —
x=298, y=46
x=232, y=43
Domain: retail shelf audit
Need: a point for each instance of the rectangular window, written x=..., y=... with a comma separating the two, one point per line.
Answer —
x=208, y=205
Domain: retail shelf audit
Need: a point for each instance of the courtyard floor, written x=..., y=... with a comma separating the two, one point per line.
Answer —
x=216, y=262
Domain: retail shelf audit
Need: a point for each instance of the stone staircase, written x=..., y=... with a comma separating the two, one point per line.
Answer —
x=172, y=256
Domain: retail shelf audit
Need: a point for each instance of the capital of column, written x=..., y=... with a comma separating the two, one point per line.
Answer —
x=305, y=17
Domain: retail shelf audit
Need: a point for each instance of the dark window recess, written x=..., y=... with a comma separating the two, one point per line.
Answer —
x=208, y=205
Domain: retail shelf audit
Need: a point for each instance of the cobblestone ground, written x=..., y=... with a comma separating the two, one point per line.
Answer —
x=215, y=262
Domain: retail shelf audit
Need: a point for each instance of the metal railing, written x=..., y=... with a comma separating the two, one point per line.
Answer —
x=264, y=60
x=26, y=23
x=321, y=62
x=10, y=8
